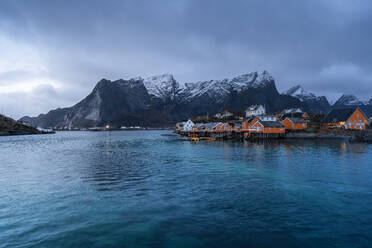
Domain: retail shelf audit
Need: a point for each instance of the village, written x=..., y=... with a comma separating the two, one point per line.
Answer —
x=255, y=123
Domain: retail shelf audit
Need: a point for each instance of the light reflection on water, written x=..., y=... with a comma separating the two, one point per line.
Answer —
x=140, y=189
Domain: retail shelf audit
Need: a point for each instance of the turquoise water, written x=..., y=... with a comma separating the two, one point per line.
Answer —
x=141, y=189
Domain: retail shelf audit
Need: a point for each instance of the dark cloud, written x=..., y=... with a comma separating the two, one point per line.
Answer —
x=323, y=45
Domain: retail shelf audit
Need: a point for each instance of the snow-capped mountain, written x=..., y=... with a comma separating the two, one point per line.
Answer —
x=349, y=100
x=166, y=87
x=161, y=100
x=315, y=103
x=163, y=86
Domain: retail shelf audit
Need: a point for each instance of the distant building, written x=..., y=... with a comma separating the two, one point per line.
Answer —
x=350, y=118
x=224, y=114
x=267, y=117
x=188, y=125
x=255, y=110
x=292, y=111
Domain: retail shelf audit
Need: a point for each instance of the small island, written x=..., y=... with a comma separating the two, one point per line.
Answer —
x=8, y=126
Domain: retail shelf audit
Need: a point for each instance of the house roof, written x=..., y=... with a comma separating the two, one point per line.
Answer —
x=338, y=115
x=298, y=115
x=211, y=125
x=271, y=124
x=251, y=118
x=296, y=120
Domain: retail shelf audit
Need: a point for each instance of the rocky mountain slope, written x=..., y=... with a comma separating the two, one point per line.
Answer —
x=318, y=104
x=350, y=100
x=9, y=126
x=162, y=100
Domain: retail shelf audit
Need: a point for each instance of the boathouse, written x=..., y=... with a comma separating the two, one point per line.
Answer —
x=349, y=118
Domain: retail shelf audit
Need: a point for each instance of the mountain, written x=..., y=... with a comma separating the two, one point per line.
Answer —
x=314, y=103
x=162, y=101
x=349, y=100
x=8, y=126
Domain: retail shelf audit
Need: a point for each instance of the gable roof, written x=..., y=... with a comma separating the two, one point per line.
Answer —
x=338, y=115
x=271, y=123
x=211, y=125
x=298, y=115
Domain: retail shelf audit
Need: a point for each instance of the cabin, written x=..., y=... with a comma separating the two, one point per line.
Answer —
x=267, y=127
x=198, y=127
x=188, y=125
x=292, y=111
x=255, y=110
x=235, y=126
x=224, y=114
x=293, y=123
x=349, y=118
x=248, y=122
x=222, y=127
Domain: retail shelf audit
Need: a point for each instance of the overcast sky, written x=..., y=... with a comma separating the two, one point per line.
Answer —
x=52, y=53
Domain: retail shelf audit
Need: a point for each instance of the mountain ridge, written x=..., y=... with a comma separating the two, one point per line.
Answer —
x=162, y=100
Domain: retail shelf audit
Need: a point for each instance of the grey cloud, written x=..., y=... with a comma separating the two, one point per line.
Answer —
x=297, y=41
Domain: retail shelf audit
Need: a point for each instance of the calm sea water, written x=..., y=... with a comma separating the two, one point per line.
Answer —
x=141, y=189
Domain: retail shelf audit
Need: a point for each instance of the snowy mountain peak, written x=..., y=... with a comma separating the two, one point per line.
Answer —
x=299, y=92
x=349, y=100
x=265, y=76
x=163, y=86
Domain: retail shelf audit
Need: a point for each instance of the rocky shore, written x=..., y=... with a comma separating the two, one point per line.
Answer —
x=8, y=126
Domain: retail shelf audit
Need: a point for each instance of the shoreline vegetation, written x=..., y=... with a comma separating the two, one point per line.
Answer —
x=10, y=127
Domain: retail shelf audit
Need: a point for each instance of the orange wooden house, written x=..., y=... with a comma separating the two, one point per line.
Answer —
x=267, y=127
x=292, y=123
x=248, y=122
x=222, y=127
x=351, y=118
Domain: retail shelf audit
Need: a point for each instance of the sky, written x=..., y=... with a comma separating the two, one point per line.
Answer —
x=52, y=53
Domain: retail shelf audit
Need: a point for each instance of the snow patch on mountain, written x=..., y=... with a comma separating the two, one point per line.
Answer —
x=218, y=88
x=349, y=100
x=166, y=87
x=162, y=86
x=299, y=92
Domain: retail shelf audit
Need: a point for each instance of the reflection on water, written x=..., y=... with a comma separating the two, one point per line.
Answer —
x=141, y=189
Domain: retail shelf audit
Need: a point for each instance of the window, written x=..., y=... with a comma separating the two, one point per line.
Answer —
x=357, y=115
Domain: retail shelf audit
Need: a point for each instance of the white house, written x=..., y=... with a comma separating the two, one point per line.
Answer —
x=255, y=110
x=187, y=126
